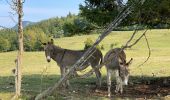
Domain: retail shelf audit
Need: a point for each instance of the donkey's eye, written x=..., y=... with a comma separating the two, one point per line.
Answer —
x=121, y=63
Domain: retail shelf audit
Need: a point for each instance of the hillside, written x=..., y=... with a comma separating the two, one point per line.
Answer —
x=35, y=64
x=24, y=24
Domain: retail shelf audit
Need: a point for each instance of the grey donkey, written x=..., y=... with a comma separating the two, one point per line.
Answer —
x=119, y=66
x=65, y=58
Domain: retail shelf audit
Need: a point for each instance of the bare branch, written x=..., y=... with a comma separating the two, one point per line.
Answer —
x=136, y=30
x=23, y=1
x=8, y=2
x=148, y=50
x=13, y=4
x=129, y=46
x=12, y=18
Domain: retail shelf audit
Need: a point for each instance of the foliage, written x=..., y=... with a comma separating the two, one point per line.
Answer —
x=64, y=26
x=4, y=44
x=54, y=27
x=100, y=12
x=32, y=38
x=8, y=40
x=77, y=26
x=89, y=42
x=153, y=13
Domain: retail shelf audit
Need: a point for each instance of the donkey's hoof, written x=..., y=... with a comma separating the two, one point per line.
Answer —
x=97, y=90
x=109, y=95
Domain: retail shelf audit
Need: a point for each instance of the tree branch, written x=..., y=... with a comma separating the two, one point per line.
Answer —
x=148, y=50
x=129, y=46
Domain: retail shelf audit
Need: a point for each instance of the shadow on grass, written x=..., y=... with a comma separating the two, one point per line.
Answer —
x=139, y=87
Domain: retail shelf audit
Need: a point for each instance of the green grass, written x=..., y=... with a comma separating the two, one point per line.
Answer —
x=35, y=62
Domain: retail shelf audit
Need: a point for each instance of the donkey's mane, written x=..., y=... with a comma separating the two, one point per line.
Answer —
x=61, y=49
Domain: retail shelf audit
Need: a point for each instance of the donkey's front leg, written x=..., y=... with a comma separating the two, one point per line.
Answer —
x=119, y=87
x=109, y=82
x=67, y=82
x=63, y=72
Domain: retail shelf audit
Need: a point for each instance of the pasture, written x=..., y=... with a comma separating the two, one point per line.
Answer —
x=145, y=81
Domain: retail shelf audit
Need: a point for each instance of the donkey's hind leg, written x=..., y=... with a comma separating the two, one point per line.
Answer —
x=119, y=85
x=67, y=82
x=98, y=76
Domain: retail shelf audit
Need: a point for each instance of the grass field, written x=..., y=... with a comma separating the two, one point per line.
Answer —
x=35, y=80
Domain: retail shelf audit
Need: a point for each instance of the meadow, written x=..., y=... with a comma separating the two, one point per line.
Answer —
x=39, y=75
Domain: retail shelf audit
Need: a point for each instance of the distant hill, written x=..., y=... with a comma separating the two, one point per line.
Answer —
x=24, y=23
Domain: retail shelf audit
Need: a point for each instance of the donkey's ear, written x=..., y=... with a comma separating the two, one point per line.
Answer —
x=130, y=61
x=52, y=41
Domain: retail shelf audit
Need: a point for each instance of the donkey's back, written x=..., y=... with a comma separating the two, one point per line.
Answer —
x=71, y=56
x=116, y=56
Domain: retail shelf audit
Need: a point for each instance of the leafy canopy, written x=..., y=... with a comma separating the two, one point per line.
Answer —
x=102, y=12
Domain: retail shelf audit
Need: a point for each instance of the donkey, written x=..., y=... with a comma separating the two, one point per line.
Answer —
x=65, y=58
x=119, y=65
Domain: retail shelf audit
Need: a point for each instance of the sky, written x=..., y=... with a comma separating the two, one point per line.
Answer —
x=37, y=10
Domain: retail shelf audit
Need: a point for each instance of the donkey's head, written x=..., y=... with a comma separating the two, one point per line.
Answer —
x=124, y=71
x=49, y=49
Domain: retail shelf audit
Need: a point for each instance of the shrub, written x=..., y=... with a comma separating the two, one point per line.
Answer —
x=113, y=45
x=4, y=44
x=32, y=39
x=89, y=42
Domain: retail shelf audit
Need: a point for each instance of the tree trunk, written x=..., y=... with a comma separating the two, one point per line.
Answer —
x=20, y=52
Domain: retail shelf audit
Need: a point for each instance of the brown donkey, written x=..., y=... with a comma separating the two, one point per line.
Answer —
x=119, y=65
x=65, y=58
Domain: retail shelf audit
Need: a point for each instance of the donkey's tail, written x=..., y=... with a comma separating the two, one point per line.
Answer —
x=101, y=60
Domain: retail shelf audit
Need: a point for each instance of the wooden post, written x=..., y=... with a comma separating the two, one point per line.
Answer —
x=20, y=51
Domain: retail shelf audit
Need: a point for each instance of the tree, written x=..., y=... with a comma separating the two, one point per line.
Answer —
x=17, y=5
x=152, y=13
x=4, y=44
x=100, y=12
x=8, y=36
x=32, y=38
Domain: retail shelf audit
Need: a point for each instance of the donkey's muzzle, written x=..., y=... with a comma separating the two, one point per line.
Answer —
x=125, y=81
x=48, y=58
